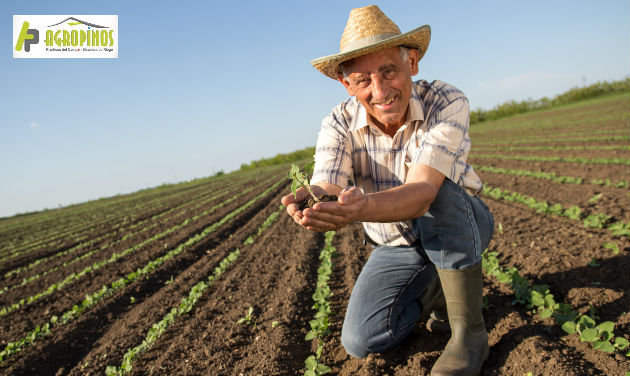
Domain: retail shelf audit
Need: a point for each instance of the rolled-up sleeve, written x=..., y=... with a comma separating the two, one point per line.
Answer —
x=333, y=159
x=444, y=142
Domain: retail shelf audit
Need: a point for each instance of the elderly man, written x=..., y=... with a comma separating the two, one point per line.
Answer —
x=404, y=144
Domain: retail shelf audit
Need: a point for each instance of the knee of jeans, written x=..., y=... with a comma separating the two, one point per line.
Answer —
x=354, y=343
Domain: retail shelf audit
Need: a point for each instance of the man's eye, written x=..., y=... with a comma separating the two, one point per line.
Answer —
x=363, y=82
x=389, y=73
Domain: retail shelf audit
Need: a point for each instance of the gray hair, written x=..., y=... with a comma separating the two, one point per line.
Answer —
x=404, y=55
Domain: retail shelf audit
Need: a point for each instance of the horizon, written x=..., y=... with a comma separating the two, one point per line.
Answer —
x=172, y=109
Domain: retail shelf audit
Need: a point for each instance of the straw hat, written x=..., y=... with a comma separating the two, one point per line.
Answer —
x=369, y=30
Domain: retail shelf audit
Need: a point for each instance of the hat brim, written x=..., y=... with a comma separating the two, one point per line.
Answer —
x=418, y=38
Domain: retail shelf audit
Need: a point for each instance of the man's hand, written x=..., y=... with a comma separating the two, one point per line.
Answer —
x=291, y=202
x=326, y=216
x=316, y=219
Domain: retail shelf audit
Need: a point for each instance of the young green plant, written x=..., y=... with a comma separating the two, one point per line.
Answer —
x=299, y=179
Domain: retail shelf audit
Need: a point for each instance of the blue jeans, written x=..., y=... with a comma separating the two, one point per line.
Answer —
x=384, y=305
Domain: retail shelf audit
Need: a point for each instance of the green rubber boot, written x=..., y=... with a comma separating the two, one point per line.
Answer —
x=468, y=347
x=434, y=307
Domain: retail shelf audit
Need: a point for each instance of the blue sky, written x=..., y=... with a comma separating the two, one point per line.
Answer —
x=201, y=86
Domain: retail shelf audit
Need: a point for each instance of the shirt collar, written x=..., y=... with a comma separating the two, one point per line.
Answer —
x=416, y=111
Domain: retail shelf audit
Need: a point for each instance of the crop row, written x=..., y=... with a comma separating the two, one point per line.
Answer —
x=597, y=220
x=539, y=299
x=535, y=158
x=85, y=216
x=111, y=244
x=546, y=140
x=555, y=148
x=551, y=176
x=115, y=256
x=86, y=228
x=129, y=230
x=186, y=305
x=321, y=296
x=130, y=206
x=109, y=289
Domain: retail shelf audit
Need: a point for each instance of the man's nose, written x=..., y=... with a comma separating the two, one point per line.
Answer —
x=379, y=88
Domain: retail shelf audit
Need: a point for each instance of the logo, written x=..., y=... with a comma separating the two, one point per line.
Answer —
x=84, y=36
x=26, y=38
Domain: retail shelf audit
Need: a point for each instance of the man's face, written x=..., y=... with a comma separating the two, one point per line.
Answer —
x=381, y=82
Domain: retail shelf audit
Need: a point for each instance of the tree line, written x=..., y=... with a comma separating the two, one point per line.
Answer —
x=575, y=94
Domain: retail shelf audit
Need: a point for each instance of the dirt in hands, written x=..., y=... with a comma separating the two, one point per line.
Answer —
x=311, y=202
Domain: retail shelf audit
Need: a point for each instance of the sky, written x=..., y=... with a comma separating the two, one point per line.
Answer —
x=203, y=86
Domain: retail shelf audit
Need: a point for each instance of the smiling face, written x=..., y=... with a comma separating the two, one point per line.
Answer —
x=381, y=82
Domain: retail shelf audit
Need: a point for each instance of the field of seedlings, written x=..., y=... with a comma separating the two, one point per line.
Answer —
x=211, y=277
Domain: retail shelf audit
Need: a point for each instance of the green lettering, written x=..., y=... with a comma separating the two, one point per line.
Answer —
x=103, y=37
x=83, y=37
x=57, y=38
x=94, y=38
x=49, y=38
x=74, y=38
x=111, y=37
x=66, y=38
x=23, y=36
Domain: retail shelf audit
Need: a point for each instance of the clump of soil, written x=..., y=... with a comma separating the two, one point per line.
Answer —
x=310, y=202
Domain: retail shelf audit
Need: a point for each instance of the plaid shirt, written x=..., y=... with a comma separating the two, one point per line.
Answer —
x=351, y=147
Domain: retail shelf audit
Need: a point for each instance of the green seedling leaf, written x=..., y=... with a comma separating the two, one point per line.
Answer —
x=322, y=369
x=300, y=180
x=607, y=326
x=586, y=322
x=604, y=346
x=589, y=335
x=546, y=313
x=613, y=247
x=569, y=327
x=621, y=343
x=311, y=363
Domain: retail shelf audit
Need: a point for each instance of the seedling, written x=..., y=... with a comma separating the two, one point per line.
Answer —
x=299, y=179
x=274, y=324
x=247, y=318
x=594, y=263
x=314, y=367
x=613, y=247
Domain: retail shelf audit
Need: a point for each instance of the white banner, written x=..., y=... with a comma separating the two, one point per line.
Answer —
x=71, y=36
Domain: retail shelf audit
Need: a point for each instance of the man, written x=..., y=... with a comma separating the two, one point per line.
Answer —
x=404, y=144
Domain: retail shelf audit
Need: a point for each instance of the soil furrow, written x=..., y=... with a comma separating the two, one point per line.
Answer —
x=76, y=340
x=276, y=277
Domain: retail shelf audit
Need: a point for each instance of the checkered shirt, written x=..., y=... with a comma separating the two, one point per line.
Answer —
x=351, y=148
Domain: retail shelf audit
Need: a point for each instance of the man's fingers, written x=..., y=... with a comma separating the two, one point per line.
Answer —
x=328, y=207
x=288, y=199
x=317, y=225
x=312, y=217
x=350, y=195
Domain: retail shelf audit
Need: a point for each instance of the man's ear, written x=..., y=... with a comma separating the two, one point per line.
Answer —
x=345, y=84
x=413, y=61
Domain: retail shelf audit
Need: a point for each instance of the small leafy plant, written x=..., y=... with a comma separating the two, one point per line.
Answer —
x=613, y=247
x=299, y=179
x=247, y=318
x=314, y=367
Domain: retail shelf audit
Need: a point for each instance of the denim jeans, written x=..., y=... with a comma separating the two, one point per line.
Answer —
x=384, y=305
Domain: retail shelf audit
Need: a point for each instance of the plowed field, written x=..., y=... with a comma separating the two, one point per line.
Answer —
x=83, y=286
